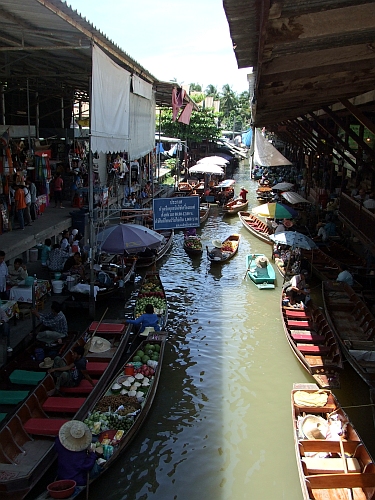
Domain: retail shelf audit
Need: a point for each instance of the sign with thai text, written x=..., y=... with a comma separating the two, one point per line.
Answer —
x=176, y=213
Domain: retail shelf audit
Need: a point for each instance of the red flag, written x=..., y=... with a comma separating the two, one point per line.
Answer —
x=186, y=113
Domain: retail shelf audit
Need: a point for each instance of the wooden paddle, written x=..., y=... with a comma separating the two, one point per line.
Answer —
x=88, y=343
x=350, y=491
x=248, y=269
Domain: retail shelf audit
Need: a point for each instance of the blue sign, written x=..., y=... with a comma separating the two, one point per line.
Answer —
x=175, y=213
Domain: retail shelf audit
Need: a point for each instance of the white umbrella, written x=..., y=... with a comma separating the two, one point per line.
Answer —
x=293, y=239
x=283, y=186
x=216, y=160
x=206, y=168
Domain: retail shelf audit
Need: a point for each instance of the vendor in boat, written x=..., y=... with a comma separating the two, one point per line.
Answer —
x=243, y=194
x=297, y=290
x=344, y=275
x=74, y=460
x=261, y=267
x=72, y=374
x=147, y=320
x=190, y=231
x=216, y=252
x=54, y=323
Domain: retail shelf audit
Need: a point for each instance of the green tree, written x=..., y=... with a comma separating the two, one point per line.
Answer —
x=202, y=126
x=211, y=91
x=195, y=87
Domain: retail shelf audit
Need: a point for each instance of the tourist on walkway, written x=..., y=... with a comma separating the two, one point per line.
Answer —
x=3, y=276
x=20, y=205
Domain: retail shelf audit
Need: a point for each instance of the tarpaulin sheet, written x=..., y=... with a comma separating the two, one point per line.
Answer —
x=265, y=154
x=294, y=198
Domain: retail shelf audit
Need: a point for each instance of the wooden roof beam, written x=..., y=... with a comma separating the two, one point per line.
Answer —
x=357, y=113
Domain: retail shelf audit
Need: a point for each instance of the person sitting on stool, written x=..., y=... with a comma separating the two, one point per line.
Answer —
x=55, y=323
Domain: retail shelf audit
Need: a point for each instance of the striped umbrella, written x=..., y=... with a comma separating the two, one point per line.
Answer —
x=275, y=211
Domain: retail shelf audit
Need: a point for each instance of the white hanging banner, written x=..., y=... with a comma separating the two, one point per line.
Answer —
x=109, y=104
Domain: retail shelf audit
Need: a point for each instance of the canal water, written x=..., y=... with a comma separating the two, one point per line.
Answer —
x=220, y=426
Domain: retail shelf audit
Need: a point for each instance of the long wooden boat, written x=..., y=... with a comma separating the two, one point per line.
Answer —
x=256, y=227
x=262, y=277
x=149, y=260
x=325, y=267
x=193, y=245
x=229, y=249
x=333, y=462
x=343, y=254
x=354, y=327
x=136, y=408
x=204, y=212
x=21, y=374
x=313, y=343
x=152, y=291
x=27, y=438
x=235, y=206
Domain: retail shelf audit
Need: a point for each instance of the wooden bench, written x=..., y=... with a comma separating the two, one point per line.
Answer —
x=83, y=388
x=64, y=405
x=316, y=465
x=314, y=349
x=44, y=426
x=309, y=338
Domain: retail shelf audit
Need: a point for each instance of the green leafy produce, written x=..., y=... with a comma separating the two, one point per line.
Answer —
x=136, y=359
x=145, y=358
x=140, y=353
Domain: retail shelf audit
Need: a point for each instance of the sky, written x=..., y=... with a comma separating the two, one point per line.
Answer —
x=172, y=39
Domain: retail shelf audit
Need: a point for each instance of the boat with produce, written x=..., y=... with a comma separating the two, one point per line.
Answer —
x=149, y=257
x=235, y=206
x=193, y=245
x=116, y=417
x=27, y=438
x=313, y=343
x=260, y=271
x=256, y=227
x=152, y=292
x=333, y=462
x=353, y=325
x=229, y=248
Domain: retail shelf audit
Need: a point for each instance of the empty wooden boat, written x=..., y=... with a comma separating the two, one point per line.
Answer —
x=256, y=227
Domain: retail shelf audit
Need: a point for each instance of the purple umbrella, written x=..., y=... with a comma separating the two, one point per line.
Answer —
x=131, y=238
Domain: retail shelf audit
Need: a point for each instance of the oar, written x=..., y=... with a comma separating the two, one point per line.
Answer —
x=350, y=491
x=248, y=269
x=88, y=343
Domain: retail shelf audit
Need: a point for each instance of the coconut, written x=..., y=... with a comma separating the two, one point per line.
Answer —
x=145, y=380
x=126, y=384
x=132, y=393
x=145, y=384
x=140, y=396
x=131, y=379
x=139, y=376
x=124, y=392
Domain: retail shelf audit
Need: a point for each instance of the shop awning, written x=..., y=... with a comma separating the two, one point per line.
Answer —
x=294, y=198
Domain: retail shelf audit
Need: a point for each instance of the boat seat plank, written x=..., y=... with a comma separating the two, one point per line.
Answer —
x=25, y=377
x=327, y=446
x=314, y=349
x=84, y=387
x=107, y=327
x=96, y=367
x=299, y=323
x=12, y=397
x=44, y=426
x=293, y=313
x=309, y=337
x=330, y=465
x=68, y=405
x=330, y=481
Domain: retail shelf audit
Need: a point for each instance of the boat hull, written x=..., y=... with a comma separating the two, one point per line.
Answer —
x=265, y=282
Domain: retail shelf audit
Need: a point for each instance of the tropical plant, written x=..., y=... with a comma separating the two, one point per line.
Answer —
x=202, y=126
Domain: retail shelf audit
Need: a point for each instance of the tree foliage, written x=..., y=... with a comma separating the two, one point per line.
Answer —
x=202, y=126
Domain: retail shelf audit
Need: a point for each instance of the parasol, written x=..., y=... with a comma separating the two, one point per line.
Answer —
x=283, y=186
x=131, y=238
x=275, y=211
x=206, y=168
x=293, y=239
x=214, y=160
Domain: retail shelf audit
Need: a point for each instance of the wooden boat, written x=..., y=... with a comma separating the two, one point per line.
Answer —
x=313, y=343
x=261, y=277
x=256, y=226
x=325, y=267
x=342, y=254
x=204, y=212
x=186, y=188
x=149, y=258
x=354, y=327
x=21, y=374
x=229, y=249
x=152, y=292
x=330, y=466
x=131, y=418
x=26, y=441
x=235, y=206
x=193, y=245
